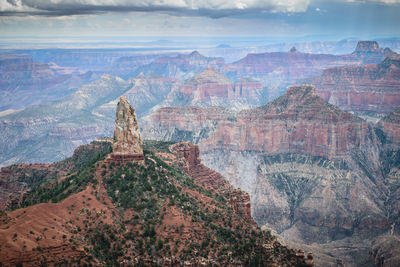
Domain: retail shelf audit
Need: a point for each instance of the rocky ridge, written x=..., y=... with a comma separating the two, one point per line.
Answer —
x=17, y=180
x=191, y=164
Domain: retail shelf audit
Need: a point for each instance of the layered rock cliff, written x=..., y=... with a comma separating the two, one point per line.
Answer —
x=298, y=122
x=371, y=89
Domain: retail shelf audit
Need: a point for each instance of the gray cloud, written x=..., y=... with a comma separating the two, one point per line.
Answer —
x=209, y=8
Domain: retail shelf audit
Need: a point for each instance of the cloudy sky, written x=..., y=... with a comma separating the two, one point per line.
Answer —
x=202, y=18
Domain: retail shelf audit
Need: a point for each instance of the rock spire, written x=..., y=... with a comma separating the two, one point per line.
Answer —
x=128, y=144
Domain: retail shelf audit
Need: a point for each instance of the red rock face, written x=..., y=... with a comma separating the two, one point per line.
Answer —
x=306, y=125
x=239, y=200
x=370, y=88
x=186, y=118
x=393, y=131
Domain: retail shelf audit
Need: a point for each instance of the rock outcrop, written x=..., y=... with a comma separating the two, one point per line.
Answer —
x=191, y=163
x=367, y=46
x=369, y=52
x=128, y=144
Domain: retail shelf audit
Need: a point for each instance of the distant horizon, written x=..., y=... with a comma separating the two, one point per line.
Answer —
x=166, y=42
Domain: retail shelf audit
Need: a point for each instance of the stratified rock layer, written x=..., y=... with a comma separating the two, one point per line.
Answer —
x=362, y=89
x=298, y=122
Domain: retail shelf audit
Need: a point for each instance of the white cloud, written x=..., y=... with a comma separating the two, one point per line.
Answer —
x=212, y=8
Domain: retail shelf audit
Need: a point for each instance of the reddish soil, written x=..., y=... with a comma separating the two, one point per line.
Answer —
x=54, y=229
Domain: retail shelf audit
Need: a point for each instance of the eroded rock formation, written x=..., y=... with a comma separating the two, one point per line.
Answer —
x=128, y=144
